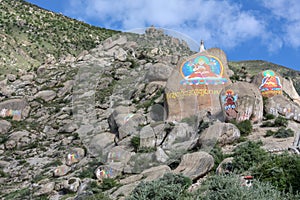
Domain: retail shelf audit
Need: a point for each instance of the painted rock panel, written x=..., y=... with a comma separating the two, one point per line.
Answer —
x=269, y=83
x=242, y=101
x=195, y=84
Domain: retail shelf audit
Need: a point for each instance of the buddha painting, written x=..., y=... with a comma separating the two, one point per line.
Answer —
x=202, y=70
x=270, y=84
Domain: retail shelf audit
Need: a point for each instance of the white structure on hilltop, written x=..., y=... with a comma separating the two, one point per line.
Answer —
x=202, y=48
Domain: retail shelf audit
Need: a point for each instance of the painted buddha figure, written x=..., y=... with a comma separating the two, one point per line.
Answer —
x=202, y=70
x=270, y=81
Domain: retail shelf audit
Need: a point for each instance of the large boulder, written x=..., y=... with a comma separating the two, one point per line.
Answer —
x=195, y=165
x=195, y=85
x=180, y=136
x=147, y=137
x=282, y=105
x=269, y=83
x=289, y=89
x=159, y=72
x=242, y=101
x=18, y=109
x=118, y=154
x=221, y=133
x=4, y=126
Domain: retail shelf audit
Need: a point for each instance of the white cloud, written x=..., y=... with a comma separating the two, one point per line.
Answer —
x=288, y=15
x=219, y=23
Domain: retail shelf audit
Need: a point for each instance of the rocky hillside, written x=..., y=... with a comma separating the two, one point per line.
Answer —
x=138, y=109
x=30, y=36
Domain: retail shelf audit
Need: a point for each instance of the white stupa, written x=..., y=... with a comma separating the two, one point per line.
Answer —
x=202, y=48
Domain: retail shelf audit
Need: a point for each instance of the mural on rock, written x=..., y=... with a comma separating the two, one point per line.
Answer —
x=230, y=103
x=270, y=85
x=194, y=86
x=201, y=70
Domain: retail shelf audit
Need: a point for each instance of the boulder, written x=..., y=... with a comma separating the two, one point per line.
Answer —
x=195, y=85
x=18, y=139
x=18, y=109
x=181, y=136
x=132, y=126
x=225, y=167
x=221, y=133
x=282, y=105
x=118, y=154
x=46, y=95
x=242, y=101
x=147, y=137
x=289, y=89
x=74, y=156
x=99, y=144
x=195, y=165
x=154, y=173
x=61, y=171
x=269, y=83
x=111, y=170
x=72, y=184
x=159, y=72
x=4, y=126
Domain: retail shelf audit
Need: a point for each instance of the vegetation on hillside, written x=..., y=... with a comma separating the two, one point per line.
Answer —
x=28, y=35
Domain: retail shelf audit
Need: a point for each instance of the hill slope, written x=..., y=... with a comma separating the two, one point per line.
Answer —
x=28, y=35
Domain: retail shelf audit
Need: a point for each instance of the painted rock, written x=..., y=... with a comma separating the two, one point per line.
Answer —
x=242, y=101
x=195, y=85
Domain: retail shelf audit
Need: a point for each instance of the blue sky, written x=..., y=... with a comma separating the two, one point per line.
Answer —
x=245, y=29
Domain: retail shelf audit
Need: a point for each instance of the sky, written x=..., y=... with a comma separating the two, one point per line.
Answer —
x=244, y=29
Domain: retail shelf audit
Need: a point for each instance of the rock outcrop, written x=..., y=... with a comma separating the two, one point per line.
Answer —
x=195, y=85
x=282, y=105
x=242, y=101
x=195, y=165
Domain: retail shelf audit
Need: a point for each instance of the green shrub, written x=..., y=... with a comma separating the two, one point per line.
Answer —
x=248, y=155
x=269, y=133
x=169, y=187
x=284, y=133
x=230, y=187
x=245, y=126
x=281, y=121
x=282, y=171
x=135, y=142
x=269, y=116
x=108, y=183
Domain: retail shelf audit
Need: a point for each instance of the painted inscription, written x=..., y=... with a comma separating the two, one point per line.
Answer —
x=230, y=103
x=202, y=70
x=15, y=114
x=195, y=92
x=271, y=84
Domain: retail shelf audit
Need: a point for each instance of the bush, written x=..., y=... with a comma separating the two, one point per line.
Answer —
x=248, y=155
x=230, y=187
x=135, y=142
x=284, y=133
x=245, y=127
x=269, y=116
x=169, y=187
x=269, y=133
x=281, y=121
x=282, y=171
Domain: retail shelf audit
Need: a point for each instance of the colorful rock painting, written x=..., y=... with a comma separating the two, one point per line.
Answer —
x=229, y=102
x=271, y=84
x=202, y=70
x=102, y=173
x=15, y=114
